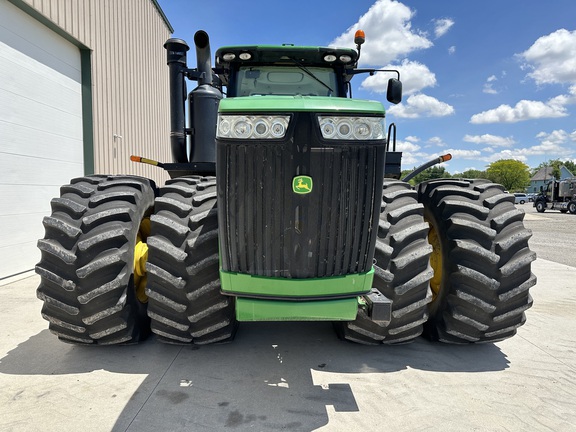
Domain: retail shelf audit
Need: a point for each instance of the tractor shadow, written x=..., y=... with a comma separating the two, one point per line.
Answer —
x=264, y=380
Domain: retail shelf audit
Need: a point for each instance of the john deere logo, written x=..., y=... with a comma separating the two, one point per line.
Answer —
x=302, y=184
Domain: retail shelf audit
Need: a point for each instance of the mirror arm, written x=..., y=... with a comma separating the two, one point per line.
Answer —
x=371, y=71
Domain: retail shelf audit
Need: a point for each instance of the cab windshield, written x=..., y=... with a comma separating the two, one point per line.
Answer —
x=285, y=80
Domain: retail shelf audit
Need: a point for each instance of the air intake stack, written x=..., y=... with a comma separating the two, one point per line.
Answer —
x=200, y=151
x=176, y=58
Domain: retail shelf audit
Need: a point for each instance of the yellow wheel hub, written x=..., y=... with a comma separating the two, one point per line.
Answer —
x=140, y=258
x=436, y=262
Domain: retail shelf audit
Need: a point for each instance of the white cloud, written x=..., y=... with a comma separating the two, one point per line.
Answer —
x=488, y=85
x=452, y=50
x=412, y=139
x=555, y=145
x=557, y=137
x=412, y=155
x=552, y=58
x=505, y=154
x=389, y=33
x=436, y=141
x=528, y=110
x=411, y=160
x=414, y=75
x=491, y=140
x=464, y=154
x=523, y=110
x=566, y=99
x=406, y=146
x=441, y=26
x=421, y=105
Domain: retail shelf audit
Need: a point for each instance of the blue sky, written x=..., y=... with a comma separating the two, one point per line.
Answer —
x=484, y=81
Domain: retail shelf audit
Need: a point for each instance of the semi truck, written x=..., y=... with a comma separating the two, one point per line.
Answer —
x=558, y=195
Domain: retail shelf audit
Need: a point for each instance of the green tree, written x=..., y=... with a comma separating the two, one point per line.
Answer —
x=512, y=174
x=431, y=173
x=471, y=174
x=571, y=166
x=405, y=173
x=555, y=164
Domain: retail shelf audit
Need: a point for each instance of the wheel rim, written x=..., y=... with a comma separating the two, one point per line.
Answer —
x=436, y=262
x=140, y=258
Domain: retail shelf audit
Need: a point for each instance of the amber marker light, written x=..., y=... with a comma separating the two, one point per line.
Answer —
x=140, y=159
x=446, y=157
x=359, y=37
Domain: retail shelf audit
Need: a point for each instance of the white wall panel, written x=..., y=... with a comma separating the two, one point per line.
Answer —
x=41, y=142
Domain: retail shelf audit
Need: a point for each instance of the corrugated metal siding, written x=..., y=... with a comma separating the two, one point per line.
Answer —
x=129, y=78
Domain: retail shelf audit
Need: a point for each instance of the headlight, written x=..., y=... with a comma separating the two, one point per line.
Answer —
x=252, y=127
x=351, y=128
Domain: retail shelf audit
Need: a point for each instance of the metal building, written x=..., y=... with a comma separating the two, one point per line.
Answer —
x=83, y=85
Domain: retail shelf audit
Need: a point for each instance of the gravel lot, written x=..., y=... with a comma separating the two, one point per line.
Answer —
x=554, y=234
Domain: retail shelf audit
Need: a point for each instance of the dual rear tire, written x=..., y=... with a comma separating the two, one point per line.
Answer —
x=185, y=303
x=453, y=257
x=481, y=260
x=90, y=291
x=111, y=270
x=401, y=271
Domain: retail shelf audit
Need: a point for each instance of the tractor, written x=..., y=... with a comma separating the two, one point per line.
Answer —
x=284, y=203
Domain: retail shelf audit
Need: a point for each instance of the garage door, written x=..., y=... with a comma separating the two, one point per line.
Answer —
x=40, y=131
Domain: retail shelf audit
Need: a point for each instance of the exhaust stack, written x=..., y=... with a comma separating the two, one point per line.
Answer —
x=203, y=112
x=202, y=42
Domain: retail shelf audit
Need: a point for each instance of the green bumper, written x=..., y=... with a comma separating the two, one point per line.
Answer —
x=248, y=309
x=276, y=299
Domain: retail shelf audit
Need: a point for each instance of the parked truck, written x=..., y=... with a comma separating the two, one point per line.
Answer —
x=558, y=195
x=285, y=203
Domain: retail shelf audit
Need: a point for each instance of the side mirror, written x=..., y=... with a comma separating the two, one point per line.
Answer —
x=394, y=91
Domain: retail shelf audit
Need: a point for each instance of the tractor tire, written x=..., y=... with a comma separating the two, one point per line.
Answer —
x=540, y=207
x=572, y=207
x=185, y=303
x=88, y=283
x=402, y=270
x=481, y=261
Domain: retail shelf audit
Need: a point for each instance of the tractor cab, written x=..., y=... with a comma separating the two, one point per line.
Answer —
x=288, y=70
x=284, y=70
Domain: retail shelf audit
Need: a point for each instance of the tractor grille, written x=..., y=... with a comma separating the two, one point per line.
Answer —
x=268, y=230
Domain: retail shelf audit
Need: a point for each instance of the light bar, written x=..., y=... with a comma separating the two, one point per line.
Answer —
x=252, y=127
x=351, y=128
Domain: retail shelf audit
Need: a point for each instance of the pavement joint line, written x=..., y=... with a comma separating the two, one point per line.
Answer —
x=154, y=389
x=17, y=277
x=546, y=352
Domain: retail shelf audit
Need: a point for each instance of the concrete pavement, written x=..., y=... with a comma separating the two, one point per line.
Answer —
x=293, y=376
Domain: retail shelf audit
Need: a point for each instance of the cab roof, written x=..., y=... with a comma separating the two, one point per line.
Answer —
x=285, y=54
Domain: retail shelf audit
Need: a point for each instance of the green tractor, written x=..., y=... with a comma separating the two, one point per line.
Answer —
x=285, y=203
